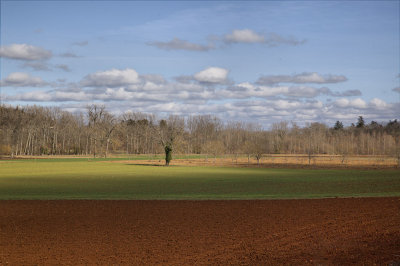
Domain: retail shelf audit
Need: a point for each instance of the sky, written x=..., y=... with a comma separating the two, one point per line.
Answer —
x=252, y=61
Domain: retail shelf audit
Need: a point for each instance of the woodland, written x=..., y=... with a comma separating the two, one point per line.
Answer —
x=37, y=130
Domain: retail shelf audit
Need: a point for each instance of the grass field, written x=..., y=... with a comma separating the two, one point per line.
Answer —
x=83, y=179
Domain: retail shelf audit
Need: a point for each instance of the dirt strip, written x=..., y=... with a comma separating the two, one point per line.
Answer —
x=259, y=232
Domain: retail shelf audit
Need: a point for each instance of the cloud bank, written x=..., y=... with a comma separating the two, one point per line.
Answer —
x=206, y=92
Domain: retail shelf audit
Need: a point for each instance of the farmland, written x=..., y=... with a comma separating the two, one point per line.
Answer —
x=83, y=178
x=362, y=231
x=136, y=211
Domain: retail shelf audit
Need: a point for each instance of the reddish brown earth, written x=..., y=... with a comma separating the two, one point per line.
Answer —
x=325, y=231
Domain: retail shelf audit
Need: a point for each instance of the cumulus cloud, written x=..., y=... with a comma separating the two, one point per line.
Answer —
x=111, y=78
x=21, y=79
x=212, y=75
x=358, y=103
x=378, y=103
x=178, y=44
x=305, y=77
x=346, y=103
x=250, y=36
x=342, y=102
x=25, y=52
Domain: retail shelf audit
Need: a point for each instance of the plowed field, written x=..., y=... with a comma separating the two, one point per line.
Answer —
x=323, y=231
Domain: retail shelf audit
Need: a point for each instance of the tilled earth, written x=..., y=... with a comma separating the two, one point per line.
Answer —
x=323, y=231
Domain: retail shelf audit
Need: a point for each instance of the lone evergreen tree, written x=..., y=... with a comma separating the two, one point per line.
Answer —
x=169, y=130
x=338, y=125
x=168, y=154
x=360, y=122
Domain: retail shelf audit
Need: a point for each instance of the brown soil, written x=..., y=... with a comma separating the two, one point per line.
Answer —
x=325, y=231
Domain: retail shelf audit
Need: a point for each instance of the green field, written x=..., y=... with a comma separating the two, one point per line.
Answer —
x=99, y=179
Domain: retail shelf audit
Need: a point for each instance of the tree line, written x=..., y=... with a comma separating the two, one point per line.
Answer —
x=37, y=130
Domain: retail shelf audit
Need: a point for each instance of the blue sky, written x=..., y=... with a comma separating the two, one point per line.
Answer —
x=261, y=61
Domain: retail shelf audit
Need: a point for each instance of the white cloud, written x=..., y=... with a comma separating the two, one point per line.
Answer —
x=21, y=79
x=343, y=102
x=358, y=103
x=212, y=75
x=111, y=78
x=263, y=111
x=246, y=85
x=250, y=36
x=151, y=86
x=378, y=103
x=244, y=36
x=24, y=52
x=32, y=96
x=190, y=87
x=117, y=94
x=157, y=79
x=285, y=104
x=270, y=91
